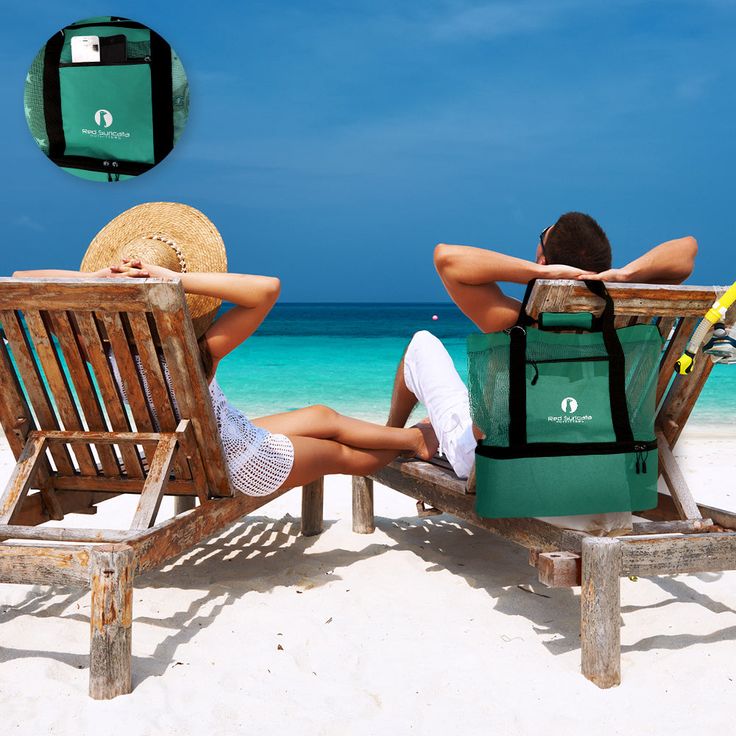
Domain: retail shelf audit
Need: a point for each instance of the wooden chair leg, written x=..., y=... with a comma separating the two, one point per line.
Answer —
x=600, y=611
x=111, y=621
x=363, y=521
x=183, y=503
x=313, y=507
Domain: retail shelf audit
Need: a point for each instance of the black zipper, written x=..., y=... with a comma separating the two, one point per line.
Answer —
x=127, y=62
x=559, y=449
x=588, y=359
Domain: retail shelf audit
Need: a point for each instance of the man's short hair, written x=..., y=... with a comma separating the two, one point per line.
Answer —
x=578, y=240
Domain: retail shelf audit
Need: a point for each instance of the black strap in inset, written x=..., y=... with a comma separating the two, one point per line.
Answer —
x=162, y=104
x=52, y=96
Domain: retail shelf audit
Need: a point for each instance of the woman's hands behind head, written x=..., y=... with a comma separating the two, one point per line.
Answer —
x=136, y=269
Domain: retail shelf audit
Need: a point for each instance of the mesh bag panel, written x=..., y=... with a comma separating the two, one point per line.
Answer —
x=33, y=102
x=138, y=49
x=180, y=92
x=488, y=375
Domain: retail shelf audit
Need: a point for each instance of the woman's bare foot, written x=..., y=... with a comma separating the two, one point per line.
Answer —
x=427, y=442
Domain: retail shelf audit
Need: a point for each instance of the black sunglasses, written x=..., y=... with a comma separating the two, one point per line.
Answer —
x=541, y=240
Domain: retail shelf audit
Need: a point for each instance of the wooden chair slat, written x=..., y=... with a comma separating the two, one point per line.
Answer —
x=190, y=451
x=680, y=400
x=675, y=480
x=123, y=356
x=672, y=351
x=157, y=387
x=190, y=387
x=101, y=295
x=665, y=325
x=645, y=300
x=155, y=485
x=17, y=418
x=113, y=402
x=29, y=374
x=85, y=390
x=21, y=478
x=59, y=386
x=15, y=414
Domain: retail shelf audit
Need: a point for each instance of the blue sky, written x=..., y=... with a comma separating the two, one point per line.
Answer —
x=334, y=143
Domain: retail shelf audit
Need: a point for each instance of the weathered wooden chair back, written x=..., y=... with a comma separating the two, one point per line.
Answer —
x=66, y=340
x=676, y=310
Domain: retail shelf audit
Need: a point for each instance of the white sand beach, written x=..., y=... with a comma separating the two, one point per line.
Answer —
x=423, y=627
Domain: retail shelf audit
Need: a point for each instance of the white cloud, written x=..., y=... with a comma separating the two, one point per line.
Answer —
x=29, y=223
x=498, y=19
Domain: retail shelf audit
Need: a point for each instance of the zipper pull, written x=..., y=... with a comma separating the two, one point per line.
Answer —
x=536, y=372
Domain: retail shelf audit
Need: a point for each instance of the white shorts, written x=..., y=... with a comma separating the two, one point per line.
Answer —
x=430, y=375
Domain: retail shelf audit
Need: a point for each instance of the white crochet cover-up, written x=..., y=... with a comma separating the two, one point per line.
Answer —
x=258, y=461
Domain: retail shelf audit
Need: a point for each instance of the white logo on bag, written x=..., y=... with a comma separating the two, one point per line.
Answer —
x=569, y=405
x=104, y=118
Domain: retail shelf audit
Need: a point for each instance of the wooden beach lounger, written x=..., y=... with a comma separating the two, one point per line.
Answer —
x=77, y=444
x=681, y=536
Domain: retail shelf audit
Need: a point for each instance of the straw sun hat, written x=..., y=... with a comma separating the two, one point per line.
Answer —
x=167, y=234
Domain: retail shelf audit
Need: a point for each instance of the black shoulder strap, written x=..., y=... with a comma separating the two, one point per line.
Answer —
x=52, y=96
x=162, y=103
x=617, y=365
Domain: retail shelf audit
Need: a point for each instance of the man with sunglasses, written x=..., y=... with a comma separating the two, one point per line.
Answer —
x=574, y=247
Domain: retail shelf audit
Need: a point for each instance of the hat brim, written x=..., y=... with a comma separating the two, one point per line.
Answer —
x=196, y=237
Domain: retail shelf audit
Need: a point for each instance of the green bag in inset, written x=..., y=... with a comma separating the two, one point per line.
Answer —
x=112, y=118
x=568, y=417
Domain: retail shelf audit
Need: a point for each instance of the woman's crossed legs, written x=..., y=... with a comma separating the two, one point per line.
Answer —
x=326, y=442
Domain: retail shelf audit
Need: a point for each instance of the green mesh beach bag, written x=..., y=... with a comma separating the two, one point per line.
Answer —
x=567, y=410
x=113, y=118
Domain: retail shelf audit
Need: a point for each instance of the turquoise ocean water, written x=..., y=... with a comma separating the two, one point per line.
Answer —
x=345, y=356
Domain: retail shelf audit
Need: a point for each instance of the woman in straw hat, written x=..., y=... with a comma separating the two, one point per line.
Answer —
x=170, y=241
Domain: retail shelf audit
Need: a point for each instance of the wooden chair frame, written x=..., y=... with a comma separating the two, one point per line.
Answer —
x=680, y=536
x=78, y=442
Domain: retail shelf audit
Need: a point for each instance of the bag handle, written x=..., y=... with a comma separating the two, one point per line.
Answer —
x=596, y=287
x=616, y=372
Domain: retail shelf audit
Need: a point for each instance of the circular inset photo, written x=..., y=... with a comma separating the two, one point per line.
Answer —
x=106, y=98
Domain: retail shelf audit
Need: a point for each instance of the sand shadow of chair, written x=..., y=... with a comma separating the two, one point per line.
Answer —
x=502, y=570
x=255, y=555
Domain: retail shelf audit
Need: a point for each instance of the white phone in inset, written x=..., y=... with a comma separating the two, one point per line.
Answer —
x=85, y=48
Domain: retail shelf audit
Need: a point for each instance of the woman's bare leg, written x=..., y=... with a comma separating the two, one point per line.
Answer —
x=314, y=458
x=321, y=422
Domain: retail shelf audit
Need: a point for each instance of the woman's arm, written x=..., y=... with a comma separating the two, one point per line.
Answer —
x=668, y=263
x=57, y=273
x=253, y=296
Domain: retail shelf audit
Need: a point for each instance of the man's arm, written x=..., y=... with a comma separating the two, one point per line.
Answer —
x=668, y=263
x=471, y=277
